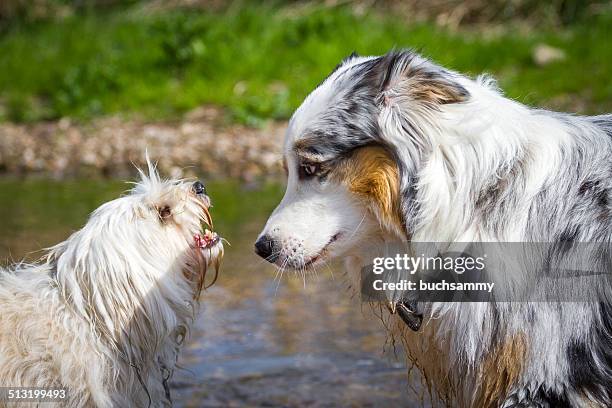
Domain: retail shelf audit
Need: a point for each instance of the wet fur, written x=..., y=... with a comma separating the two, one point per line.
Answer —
x=106, y=312
x=435, y=156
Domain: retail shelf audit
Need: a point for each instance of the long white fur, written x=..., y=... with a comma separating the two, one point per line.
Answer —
x=106, y=311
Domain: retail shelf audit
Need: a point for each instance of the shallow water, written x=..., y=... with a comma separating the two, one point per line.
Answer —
x=259, y=341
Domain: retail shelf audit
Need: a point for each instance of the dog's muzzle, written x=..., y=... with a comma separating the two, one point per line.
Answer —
x=207, y=243
x=207, y=238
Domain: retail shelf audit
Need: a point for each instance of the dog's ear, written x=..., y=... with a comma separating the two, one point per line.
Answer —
x=410, y=91
x=407, y=77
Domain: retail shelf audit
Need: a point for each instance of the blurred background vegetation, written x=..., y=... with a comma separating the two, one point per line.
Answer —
x=257, y=60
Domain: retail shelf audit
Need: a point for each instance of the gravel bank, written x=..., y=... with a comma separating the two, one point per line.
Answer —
x=109, y=147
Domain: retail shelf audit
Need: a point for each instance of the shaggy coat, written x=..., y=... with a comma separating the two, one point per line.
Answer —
x=398, y=150
x=105, y=313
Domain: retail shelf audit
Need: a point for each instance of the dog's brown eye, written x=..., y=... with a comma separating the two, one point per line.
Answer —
x=309, y=169
x=164, y=212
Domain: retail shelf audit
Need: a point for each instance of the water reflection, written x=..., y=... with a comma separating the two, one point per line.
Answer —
x=258, y=341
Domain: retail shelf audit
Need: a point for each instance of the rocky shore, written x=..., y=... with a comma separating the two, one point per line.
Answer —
x=110, y=147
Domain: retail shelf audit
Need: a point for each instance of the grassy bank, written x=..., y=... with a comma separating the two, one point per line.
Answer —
x=259, y=63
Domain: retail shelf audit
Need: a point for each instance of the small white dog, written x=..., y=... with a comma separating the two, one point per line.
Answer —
x=106, y=312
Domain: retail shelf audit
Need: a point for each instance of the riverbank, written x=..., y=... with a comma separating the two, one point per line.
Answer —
x=199, y=144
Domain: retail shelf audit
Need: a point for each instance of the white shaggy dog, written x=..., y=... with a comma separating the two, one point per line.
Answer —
x=392, y=150
x=106, y=312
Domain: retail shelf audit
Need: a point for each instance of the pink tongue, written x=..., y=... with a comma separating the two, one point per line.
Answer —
x=199, y=241
x=203, y=242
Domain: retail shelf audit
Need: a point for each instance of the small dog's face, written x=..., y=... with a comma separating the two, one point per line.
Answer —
x=158, y=230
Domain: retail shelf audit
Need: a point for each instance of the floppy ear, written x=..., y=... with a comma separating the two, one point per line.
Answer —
x=412, y=91
x=407, y=77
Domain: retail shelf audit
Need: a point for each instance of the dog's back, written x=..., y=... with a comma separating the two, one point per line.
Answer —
x=43, y=344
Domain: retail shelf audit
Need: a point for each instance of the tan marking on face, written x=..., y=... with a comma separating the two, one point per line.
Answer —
x=371, y=174
x=501, y=370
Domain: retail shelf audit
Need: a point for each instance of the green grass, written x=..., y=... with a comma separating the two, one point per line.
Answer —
x=260, y=63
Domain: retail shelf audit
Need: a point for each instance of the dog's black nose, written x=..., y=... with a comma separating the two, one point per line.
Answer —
x=264, y=247
x=198, y=188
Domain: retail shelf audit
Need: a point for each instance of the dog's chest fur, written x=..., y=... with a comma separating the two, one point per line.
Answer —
x=43, y=343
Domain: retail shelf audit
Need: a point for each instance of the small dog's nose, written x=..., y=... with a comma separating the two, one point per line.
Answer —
x=264, y=247
x=198, y=188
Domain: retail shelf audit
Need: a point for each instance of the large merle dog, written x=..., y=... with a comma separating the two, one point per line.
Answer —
x=396, y=149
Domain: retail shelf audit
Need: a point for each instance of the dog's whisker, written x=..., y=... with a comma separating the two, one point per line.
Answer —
x=357, y=227
x=314, y=269
x=281, y=270
x=331, y=270
x=272, y=256
x=276, y=272
x=263, y=261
